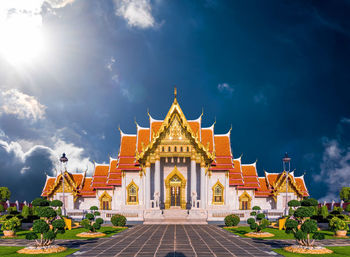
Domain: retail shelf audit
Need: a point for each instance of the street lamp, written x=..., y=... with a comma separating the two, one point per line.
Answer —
x=286, y=167
x=63, y=161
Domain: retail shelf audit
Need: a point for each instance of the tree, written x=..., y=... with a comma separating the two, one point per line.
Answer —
x=5, y=194
x=40, y=202
x=345, y=194
x=324, y=211
x=302, y=226
x=25, y=211
x=258, y=223
x=89, y=222
x=2, y=208
x=48, y=227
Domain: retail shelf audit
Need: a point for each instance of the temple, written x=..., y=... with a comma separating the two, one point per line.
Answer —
x=175, y=169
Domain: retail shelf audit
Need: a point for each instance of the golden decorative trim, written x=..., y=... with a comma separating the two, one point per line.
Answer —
x=182, y=185
x=175, y=112
x=132, y=183
x=218, y=184
x=242, y=197
x=105, y=197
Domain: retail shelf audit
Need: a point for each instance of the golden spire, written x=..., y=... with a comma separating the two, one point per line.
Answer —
x=175, y=94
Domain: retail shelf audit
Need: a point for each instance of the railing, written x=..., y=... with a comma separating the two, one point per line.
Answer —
x=105, y=214
x=244, y=214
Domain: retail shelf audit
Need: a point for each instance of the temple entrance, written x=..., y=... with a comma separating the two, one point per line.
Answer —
x=175, y=185
x=175, y=191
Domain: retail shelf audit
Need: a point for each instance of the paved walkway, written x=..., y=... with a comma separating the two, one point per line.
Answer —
x=175, y=240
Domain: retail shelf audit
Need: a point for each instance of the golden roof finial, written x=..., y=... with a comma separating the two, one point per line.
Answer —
x=175, y=92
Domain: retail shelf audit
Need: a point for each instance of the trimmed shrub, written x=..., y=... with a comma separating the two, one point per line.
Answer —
x=294, y=203
x=119, y=220
x=25, y=211
x=347, y=208
x=309, y=202
x=40, y=202
x=89, y=222
x=256, y=222
x=56, y=203
x=232, y=220
x=2, y=208
x=11, y=224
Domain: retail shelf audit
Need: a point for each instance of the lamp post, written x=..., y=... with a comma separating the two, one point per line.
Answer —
x=286, y=167
x=63, y=161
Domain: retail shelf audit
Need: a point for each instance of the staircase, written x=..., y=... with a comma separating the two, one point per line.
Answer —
x=177, y=216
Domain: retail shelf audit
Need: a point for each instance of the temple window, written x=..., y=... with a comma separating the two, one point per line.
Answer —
x=175, y=149
x=218, y=193
x=188, y=149
x=105, y=201
x=169, y=149
x=163, y=149
x=181, y=149
x=132, y=190
x=245, y=201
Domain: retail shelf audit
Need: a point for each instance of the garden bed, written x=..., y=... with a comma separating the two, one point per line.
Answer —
x=259, y=234
x=42, y=250
x=307, y=249
x=91, y=234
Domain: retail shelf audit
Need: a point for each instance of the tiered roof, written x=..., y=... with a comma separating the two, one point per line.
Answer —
x=78, y=182
x=215, y=148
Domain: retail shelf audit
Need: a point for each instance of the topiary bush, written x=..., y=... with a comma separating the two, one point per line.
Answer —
x=47, y=226
x=258, y=222
x=231, y=220
x=90, y=223
x=2, y=208
x=120, y=220
x=302, y=226
x=347, y=208
x=25, y=211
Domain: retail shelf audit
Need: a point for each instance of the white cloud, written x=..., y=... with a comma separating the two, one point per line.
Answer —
x=23, y=106
x=226, y=88
x=345, y=120
x=76, y=157
x=260, y=98
x=110, y=63
x=335, y=169
x=136, y=12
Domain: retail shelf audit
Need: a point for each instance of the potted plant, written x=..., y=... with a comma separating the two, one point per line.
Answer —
x=9, y=226
x=339, y=226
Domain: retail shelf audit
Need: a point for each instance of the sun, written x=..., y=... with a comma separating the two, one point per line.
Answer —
x=21, y=38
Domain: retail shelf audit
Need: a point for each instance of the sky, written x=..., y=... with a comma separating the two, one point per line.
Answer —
x=73, y=71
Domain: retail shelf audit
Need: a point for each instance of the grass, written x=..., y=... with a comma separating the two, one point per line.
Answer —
x=339, y=251
x=279, y=234
x=11, y=251
x=71, y=234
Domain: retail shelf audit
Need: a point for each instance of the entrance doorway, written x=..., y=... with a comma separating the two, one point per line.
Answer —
x=175, y=184
x=175, y=192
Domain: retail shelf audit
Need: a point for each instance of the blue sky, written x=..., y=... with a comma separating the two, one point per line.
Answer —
x=72, y=71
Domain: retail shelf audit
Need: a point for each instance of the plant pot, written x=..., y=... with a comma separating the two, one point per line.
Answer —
x=9, y=233
x=341, y=233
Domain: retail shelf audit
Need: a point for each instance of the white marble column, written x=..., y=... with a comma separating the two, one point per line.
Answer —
x=148, y=187
x=227, y=185
x=123, y=190
x=193, y=177
x=203, y=188
x=141, y=189
x=157, y=177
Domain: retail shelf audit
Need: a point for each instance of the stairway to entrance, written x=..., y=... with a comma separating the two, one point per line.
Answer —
x=176, y=215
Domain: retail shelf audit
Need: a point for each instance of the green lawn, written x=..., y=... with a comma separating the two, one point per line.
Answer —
x=279, y=234
x=11, y=251
x=71, y=234
x=339, y=251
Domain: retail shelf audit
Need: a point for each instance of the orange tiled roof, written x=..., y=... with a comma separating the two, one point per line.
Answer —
x=155, y=126
x=222, y=145
x=207, y=137
x=263, y=190
x=77, y=178
x=99, y=179
x=194, y=127
x=127, y=145
x=250, y=176
x=301, y=184
x=87, y=189
x=235, y=175
x=50, y=181
x=142, y=138
x=114, y=175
